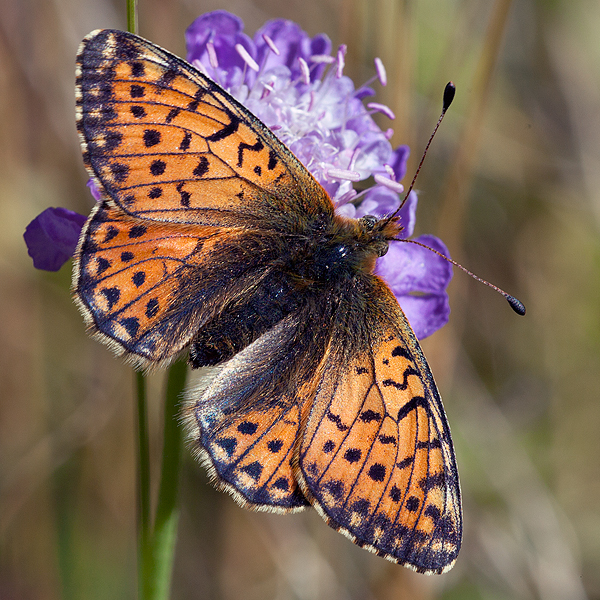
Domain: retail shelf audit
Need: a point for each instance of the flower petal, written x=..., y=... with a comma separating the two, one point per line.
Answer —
x=52, y=237
x=293, y=43
x=223, y=30
x=426, y=314
x=398, y=161
x=96, y=193
x=410, y=268
x=378, y=201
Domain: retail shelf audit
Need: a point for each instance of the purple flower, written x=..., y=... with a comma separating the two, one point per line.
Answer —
x=52, y=237
x=294, y=84
x=419, y=278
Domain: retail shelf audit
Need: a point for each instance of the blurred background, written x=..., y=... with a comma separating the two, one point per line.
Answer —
x=511, y=184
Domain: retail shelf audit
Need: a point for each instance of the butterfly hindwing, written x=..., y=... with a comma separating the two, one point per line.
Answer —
x=246, y=422
x=376, y=457
x=168, y=144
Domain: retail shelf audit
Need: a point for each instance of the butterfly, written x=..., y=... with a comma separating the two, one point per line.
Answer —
x=212, y=237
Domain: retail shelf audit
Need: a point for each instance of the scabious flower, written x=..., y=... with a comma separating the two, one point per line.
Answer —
x=294, y=85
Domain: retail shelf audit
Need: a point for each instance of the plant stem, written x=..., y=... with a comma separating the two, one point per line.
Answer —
x=143, y=476
x=167, y=511
x=132, y=20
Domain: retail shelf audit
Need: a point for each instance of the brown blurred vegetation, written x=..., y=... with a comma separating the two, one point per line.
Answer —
x=511, y=184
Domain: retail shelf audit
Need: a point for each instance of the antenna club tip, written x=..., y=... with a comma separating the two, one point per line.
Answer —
x=449, y=92
x=516, y=305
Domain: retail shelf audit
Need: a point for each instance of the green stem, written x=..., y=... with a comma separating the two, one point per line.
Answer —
x=132, y=20
x=157, y=562
x=143, y=475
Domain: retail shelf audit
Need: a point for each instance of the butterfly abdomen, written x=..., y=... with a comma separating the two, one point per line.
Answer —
x=244, y=321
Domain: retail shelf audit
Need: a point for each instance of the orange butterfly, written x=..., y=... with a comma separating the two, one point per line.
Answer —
x=213, y=236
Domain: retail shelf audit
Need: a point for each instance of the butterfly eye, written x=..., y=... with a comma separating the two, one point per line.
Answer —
x=369, y=222
x=381, y=248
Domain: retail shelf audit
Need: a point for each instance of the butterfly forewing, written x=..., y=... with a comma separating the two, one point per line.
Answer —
x=376, y=457
x=168, y=144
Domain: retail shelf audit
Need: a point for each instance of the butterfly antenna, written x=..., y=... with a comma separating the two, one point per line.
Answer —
x=515, y=303
x=449, y=92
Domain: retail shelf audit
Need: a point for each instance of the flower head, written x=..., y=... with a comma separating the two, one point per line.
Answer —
x=295, y=85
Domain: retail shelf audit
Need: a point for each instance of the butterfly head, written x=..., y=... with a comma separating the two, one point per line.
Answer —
x=353, y=245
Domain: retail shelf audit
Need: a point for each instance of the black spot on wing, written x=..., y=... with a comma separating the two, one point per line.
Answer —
x=152, y=308
x=401, y=386
x=151, y=137
x=247, y=428
x=138, y=278
x=403, y=352
x=256, y=147
x=226, y=131
x=138, y=111
x=136, y=91
x=185, y=142
x=337, y=420
x=377, y=472
x=229, y=444
x=137, y=68
x=137, y=231
x=202, y=167
x=112, y=296
x=275, y=446
x=131, y=325
x=352, y=455
x=157, y=167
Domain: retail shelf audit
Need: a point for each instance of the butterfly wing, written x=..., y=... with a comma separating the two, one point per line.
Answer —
x=376, y=457
x=245, y=423
x=168, y=144
x=146, y=287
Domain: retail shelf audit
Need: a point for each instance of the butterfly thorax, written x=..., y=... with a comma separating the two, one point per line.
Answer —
x=345, y=248
x=302, y=269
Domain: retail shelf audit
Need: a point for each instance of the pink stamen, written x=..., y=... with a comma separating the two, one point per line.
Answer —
x=341, y=60
x=271, y=44
x=304, y=70
x=212, y=55
x=246, y=57
x=322, y=58
x=382, y=108
x=311, y=102
x=390, y=171
x=267, y=89
x=388, y=183
x=347, y=197
x=389, y=132
x=343, y=174
x=381, y=74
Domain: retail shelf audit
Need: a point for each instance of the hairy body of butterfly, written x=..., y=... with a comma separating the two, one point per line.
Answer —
x=211, y=235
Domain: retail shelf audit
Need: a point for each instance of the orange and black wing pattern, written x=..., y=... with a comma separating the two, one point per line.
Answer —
x=376, y=457
x=146, y=287
x=336, y=407
x=244, y=423
x=211, y=234
x=168, y=144
x=190, y=182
